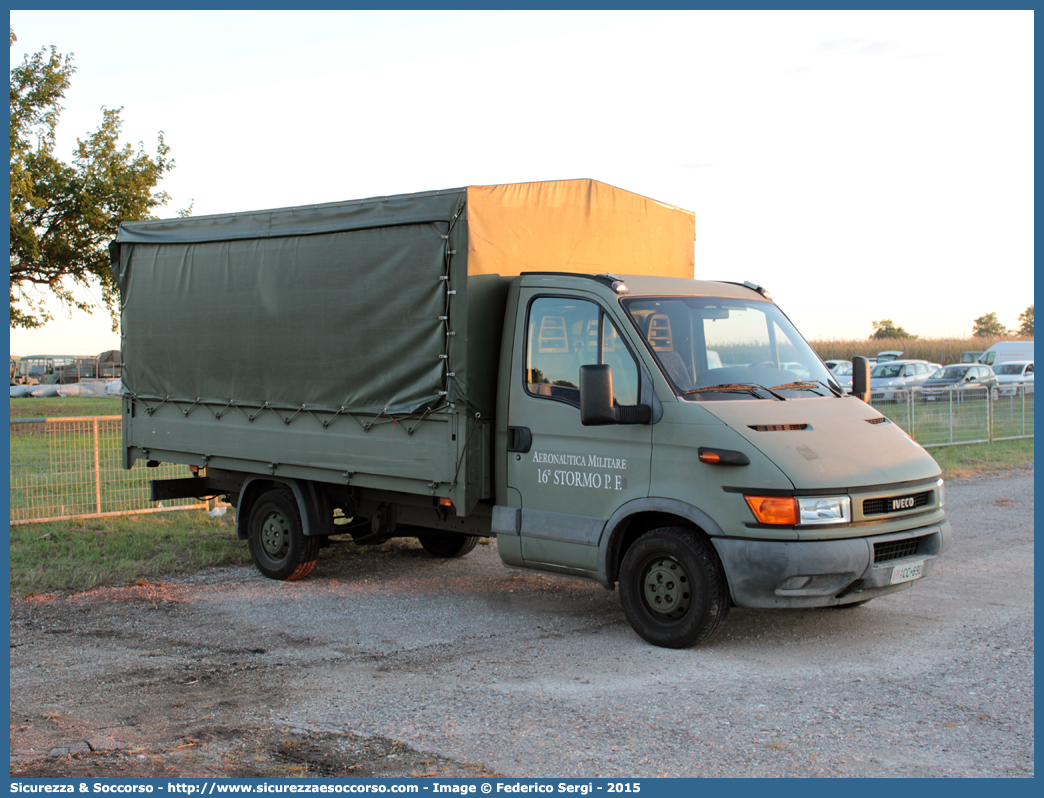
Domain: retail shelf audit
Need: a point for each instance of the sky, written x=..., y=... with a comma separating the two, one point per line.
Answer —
x=859, y=165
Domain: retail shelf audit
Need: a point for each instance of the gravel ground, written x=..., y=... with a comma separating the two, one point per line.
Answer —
x=399, y=664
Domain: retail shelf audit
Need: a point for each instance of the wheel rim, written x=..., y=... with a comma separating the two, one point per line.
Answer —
x=275, y=536
x=666, y=588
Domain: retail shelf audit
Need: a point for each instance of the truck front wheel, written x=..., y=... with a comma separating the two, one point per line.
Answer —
x=277, y=544
x=447, y=544
x=673, y=588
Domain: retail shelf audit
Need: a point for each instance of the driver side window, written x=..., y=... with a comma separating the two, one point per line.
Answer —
x=561, y=336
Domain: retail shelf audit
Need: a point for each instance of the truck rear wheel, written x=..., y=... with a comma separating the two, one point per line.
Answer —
x=447, y=544
x=673, y=588
x=278, y=545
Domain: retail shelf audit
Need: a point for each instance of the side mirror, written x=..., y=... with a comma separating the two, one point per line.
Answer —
x=861, y=378
x=596, y=396
x=596, y=400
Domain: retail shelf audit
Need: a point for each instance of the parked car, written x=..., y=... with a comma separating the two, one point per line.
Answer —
x=960, y=376
x=1015, y=375
x=894, y=378
x=842, y=372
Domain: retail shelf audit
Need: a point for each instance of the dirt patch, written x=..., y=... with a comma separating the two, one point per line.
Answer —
x=230, y=752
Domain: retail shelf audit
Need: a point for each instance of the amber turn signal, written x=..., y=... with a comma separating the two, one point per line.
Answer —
x=776, y=510
x=444, y=502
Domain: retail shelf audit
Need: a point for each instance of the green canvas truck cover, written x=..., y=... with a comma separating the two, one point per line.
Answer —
x=382, y=305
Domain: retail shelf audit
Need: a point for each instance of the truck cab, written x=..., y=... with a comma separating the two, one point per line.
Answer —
x=632, y=457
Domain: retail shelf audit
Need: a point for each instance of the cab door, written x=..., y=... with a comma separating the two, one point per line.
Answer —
x=570, y=478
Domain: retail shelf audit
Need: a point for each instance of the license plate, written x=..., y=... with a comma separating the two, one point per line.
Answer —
x=907, y=573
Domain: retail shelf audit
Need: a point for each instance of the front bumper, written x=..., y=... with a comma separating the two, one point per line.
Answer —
x=823, y=573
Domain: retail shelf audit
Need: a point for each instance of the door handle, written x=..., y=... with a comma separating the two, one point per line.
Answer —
x=520, y=439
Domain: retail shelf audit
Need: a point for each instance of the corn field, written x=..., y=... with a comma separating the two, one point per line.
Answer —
x=943, y=351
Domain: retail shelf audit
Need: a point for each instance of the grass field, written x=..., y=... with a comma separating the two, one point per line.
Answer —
x=79, y=555
x=974, y=459
x=98, y=552
x=65, y=406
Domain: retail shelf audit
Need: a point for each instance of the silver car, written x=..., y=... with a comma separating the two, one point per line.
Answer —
x=1015, y=375
x=841, y=371
x=972, y=377
x=894, y=379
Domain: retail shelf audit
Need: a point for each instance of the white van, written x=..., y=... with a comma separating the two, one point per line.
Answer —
x=1006, y=351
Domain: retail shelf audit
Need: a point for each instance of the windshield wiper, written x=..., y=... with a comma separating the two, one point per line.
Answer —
x=737, y=387
x=806, y=385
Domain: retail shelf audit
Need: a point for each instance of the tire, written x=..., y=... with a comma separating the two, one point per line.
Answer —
x=278, y=546
x=673, y=588
x=447, y=544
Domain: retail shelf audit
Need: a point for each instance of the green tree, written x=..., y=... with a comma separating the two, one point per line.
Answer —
x=886, y=329
x=63, y=215
x=1026, y=322
x=989, y=326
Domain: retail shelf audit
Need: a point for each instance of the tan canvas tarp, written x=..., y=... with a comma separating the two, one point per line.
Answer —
x=576, y=226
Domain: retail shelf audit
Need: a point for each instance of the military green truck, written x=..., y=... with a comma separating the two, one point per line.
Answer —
x=55, y=369
x=530, y=362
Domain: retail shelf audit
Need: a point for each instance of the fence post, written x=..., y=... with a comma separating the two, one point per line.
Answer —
x=910, y=412
x=1022, y=393
x=97, y=469
x=989, y=415
x=949, y=401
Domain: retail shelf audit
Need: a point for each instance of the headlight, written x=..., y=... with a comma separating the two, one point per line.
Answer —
x=831, y=510
x=942, y=493
x=794, y=510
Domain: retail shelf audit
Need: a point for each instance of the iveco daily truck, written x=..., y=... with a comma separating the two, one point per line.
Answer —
x=532, y=362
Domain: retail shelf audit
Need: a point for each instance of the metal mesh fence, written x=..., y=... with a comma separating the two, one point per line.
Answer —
x=70, y=468
x=969, y=415
x=1013, y=415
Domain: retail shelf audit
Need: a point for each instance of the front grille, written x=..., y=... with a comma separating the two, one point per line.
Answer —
x=885, y=504
x=896, y=549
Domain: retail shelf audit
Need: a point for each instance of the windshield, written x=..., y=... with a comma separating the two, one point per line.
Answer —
x=952, y=373
x=35, y=366
x=1010, y=368
x=886, y=372
x=713, y=349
